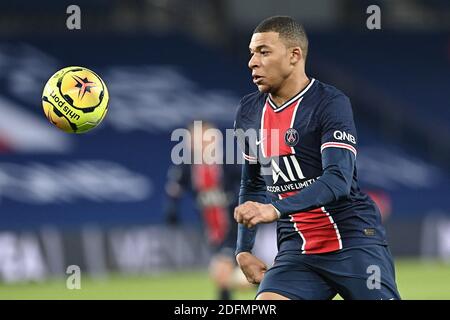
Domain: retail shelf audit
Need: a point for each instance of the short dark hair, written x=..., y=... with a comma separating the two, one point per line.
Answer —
x=290, y=30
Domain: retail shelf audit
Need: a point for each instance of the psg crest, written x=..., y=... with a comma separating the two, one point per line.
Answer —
x=291, y=137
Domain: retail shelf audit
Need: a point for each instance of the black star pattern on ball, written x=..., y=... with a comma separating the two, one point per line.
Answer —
x=84, y=84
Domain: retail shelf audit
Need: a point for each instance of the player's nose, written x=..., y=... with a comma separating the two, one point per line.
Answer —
x=253, y=62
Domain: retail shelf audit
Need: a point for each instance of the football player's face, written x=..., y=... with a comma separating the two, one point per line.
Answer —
x=269, y=61
x=204, y=141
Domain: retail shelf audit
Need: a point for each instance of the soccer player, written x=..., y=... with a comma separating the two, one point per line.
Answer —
x=215, y=187
x=302, y=157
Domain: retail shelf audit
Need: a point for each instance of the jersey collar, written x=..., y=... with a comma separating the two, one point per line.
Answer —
x=290, y=101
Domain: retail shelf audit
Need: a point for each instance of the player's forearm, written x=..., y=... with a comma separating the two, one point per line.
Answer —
x=249, y=191
x=333, y=185
x=246, y=236
x=252, y=195
x=316, y=195
x=252, y=188
x=245, y=239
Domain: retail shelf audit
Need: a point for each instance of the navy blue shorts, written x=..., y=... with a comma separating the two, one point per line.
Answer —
x=365, y=272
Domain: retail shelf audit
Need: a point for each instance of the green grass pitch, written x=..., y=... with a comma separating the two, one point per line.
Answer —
x=416, y=280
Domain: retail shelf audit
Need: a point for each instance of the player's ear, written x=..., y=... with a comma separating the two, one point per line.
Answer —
x=296, y=55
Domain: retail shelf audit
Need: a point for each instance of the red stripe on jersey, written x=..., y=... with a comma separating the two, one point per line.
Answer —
x=280, y=121
x=317, y=230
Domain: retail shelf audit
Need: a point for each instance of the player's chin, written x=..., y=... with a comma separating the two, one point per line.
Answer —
x=263, y=88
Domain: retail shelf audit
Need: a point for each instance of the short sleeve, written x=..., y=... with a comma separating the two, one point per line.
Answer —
x=337, y=125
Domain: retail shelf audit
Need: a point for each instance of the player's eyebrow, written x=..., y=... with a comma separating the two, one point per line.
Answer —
x=258, y=48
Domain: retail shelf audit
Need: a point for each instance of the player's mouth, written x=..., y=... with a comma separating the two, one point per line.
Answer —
x=257, y=79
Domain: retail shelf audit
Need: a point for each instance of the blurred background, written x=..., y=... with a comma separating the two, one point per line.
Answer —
x=98, y=200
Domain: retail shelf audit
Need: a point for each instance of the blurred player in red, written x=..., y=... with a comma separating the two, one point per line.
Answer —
x=215, y=188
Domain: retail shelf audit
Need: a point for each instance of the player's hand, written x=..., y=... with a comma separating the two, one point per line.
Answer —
x=251, y=213
x=253, y=268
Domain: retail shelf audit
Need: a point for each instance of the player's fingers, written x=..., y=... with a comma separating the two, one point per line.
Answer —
x=236, y=213
x=256, y=278
x=247, y=274
x=247, y=219
x=249, y=225
x=251, y=278
x=254, y=220
x=259, y=278
x=243, y=218
x=239, y=214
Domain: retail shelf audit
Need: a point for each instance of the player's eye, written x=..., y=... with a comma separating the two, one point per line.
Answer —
x=265, y=53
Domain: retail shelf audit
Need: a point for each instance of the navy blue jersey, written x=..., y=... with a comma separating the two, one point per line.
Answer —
x=287, y=154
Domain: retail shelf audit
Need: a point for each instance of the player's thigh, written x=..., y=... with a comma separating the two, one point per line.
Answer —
x=291, y=279
x=368, y=274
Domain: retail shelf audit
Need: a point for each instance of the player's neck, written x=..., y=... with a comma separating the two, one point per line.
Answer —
x=289, y=89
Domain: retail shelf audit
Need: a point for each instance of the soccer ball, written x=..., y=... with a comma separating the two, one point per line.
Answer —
x=75, y=99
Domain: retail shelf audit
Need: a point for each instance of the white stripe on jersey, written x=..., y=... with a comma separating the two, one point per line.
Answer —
x=335, y=226
x=338, y=145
